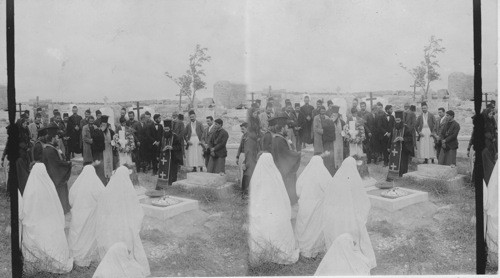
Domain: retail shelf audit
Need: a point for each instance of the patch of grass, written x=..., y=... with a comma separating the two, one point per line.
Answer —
x=436, y=188
x=383, y=227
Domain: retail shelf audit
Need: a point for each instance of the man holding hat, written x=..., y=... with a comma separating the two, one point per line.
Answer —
x=155, y=135
x=449, y=142
x=170, y=156
x=400, y=148
x=217, y=148
x=58, y=168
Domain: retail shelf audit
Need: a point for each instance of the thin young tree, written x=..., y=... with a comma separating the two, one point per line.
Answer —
x=430, y=61
x=418, y=74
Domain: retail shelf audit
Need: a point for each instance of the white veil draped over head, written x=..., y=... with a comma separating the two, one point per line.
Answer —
x=491, y=212
x=118, y=263
x=83, y=197
x=119, y=217
x=271, y=237
x=362, y=203
x=311, y=186
x=343, y=259
x=44, y=239
x=340, y=214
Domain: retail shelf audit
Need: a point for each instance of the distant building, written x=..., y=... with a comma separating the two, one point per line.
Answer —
x=229, y=95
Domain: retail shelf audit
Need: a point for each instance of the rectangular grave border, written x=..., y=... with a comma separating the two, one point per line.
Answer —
x=414, y=197
x=163, y=213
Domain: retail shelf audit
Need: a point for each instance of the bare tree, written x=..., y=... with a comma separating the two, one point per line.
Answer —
x=418, y=74
x=184, y=83
x=430, y=61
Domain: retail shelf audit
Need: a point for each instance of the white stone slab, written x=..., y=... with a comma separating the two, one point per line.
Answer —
x=455, y=183
x=378, y=201
x=436, y=171
x=163, y=213
x=206, y=179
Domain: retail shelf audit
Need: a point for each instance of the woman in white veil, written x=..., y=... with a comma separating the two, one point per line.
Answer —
x=119, y=217
x=118, y=263
x=83, y=197
x=271, y=237
x=346, y=209
x=311, y=186
x=44, y=240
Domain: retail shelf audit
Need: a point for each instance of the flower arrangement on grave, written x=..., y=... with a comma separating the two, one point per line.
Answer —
x=123, y=143
x=356, y=135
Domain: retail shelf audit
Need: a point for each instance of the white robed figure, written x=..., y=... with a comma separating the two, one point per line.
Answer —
x=426, y=141
x=119, y=217
x=271, y=237
x=118, y=263
x=311, y=186
x=354, y=131
x=346, y=209
x=44, y=240
x=491, y=215
x=83, y=197
x=343, y=258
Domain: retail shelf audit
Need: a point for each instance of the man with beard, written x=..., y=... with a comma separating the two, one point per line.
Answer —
x=298, y=128
x=306, y=124
x=58, y=168
x=123, y=113
x=287, y=161
x=170, y=156
x=400, y=147
x=155, y=135
x=192, y=136
x=217, y=148
x=369, y=126
x=385, y=126
x=102, y=150
x=87, y=132
x=74, y=132
x=426, y=124
x=410, y=119
x=353, y=106
x=449, y=142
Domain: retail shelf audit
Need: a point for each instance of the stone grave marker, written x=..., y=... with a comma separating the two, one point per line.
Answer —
x=163, y=213
x=438, y=173
x=206, y=180
x=412, y=197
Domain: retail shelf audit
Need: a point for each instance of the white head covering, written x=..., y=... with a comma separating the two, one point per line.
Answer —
x=118, y=263
x=311, y=186
x=20, y=214
x=343, y=259
x=340, y=214
x=360, y=197
x=44, y=239
x=119, y=217
x=83, y=197
x=271, y=235
x=491, y=211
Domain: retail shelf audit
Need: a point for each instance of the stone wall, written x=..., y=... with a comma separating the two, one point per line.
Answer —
x=461, y=85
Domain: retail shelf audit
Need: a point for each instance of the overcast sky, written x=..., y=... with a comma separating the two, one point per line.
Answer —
x=84, y=50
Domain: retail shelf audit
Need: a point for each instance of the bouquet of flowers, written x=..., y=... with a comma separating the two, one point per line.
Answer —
x=354, y=137
x=124, y=146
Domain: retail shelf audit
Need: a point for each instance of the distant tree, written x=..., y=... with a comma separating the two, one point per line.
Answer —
x=430, y=61
x=418, y=74
x=192, y=81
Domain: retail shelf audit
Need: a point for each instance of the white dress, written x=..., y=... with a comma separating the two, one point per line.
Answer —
x=426, y=143
x=194, y=153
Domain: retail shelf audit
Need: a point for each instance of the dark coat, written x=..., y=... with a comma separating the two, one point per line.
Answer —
x=431, y=122
x=449, y=133
x=218, y=142
x=188, y=131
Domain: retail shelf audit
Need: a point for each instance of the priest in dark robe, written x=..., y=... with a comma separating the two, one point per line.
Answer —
x=102, y=150
x=400, y=148
x=74, y=132
x=37, y=150
x=287, y=161
x=267, y=139
x=369, y=125
x=170, y=156
x=58, y=168
x=490, y=152
x=306, y=122
x=155, y=135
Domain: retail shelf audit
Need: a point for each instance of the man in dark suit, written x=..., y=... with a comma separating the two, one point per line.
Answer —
x=449, y=142
x=441, y=122
x=385, y=123
x=136, y=126
x=410, y=120
x=205, y=138
x=155, y=135
x=217, y=147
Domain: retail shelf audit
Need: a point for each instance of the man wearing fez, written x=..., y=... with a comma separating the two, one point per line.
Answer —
x=170, y=156
x=425, y=127
x=102, y=151
x=306, y=126
x=155, y=135
x=385, y=127
x=267, y=138
x=400, y=148
x=58, y=168
x=74, y=132
x=449, y=142
x=287, y=161
x=217, y=147
x=87, y=132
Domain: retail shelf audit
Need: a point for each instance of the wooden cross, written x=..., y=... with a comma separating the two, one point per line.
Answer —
x=371, y=99
x=485, y=99
x=162, y=175
x=393, y=166
x=20, y=110
x=394, y=152
x=252, y=97
x=163, y=161
x=138, y=108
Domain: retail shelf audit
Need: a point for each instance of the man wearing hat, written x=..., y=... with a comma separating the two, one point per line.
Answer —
x=400, y=148
x=53, y=115
x=449, y=142
x=74, y=132
x=287, y=103
x=170, y=156
x=385, y=127
x=102, y=150
x=192, y=136
x=217, y=148
x=267, y=138
x=58, y=168
x=155, y=135
x=426, y=124
x=87, y=132
x=37, y=150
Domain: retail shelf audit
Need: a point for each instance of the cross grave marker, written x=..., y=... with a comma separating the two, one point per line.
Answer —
x=371, y=99
x=138, y=108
